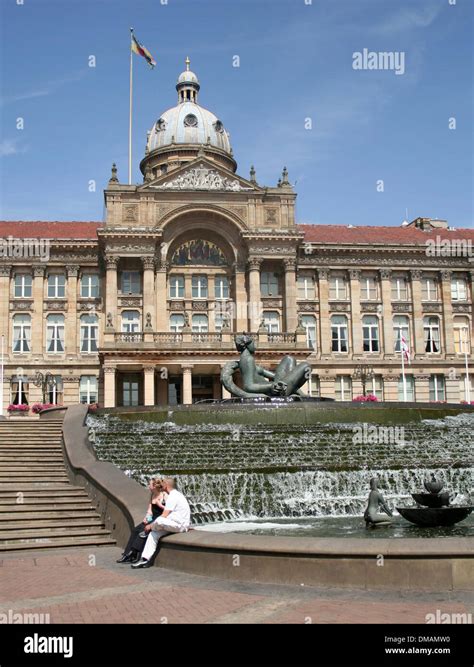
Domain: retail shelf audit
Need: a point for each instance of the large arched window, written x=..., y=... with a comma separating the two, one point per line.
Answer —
x=21, y=333
x=401, y=329
x=339, y=333
x=462, y=342
x=89, y=333
x=130, y=321
x=176, y=322
x=432, y=334
x=200, y=324
x=370, y=330
x=55, y=333
x=309, y=324
x=271, y=320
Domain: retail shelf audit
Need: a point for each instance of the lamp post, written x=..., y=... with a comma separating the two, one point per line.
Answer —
x=364, y=373
x=45, y=381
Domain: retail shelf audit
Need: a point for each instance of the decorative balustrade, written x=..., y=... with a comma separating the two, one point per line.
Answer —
x=168, y=337
x=136, y=337
x=206, y=337
x=282, y=338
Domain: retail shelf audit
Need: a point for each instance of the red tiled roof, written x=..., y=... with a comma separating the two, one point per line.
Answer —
x=49, y=230
x=382, y=235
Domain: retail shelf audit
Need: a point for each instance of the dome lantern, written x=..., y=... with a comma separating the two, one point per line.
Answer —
x=188, y=85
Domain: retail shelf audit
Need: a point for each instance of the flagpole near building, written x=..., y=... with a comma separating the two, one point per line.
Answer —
x=404, y=380
x=130, y=113
x=467, y=385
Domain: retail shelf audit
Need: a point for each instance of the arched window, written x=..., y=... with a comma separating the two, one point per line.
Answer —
x=176, y=322
x=339, y=333
x=370, y=330
x=130, y=321
x=271, y=320
x=309, y=324
x=200, y=323
x=19, y=390
x=462, y=342
x=21, y=333
x=401, y=328
x=89, y=333
x=55, y=333
x=432, y=335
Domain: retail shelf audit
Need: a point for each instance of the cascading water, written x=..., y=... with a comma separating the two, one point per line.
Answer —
x=231, y=471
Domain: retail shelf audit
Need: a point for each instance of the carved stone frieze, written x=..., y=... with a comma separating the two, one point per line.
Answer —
x=55, y=305
x=337, y=307
x=369, y=306
x=16, y=304
x=39, y=271
x=271, y=303
x=462, y=308
x=199, y=305
x=432, y=307
x=176, y=305
x=308, y=307
x=130, y=213
x=5, y=270
x=71, y=378
x=402, y=307
x=271, y=216
x=202, y=178
x=385, y=274
x=130, y=301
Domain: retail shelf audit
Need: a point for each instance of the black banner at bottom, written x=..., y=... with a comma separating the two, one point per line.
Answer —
x=239, y=645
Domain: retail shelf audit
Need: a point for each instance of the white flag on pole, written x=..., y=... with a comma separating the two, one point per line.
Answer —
x=405, y=349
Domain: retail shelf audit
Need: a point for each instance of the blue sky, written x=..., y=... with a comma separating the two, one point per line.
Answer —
x=295, y=63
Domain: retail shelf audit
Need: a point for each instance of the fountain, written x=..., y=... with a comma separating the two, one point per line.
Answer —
x=433, y=508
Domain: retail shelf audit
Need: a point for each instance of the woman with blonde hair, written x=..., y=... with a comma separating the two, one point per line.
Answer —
x=135, y=544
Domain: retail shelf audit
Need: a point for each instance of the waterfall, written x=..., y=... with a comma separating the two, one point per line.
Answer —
x=232, y=471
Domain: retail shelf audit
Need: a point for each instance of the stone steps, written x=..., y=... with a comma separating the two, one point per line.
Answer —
x=53, y=512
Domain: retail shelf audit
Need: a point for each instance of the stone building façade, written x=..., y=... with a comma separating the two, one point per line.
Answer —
x=142, y=309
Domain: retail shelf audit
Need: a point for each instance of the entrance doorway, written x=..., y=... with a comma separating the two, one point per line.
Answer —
x=130, y=389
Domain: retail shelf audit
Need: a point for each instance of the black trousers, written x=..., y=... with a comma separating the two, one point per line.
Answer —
x=135, y=542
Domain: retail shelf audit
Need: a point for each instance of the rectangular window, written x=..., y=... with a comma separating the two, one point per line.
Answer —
x=88, y=389
x=337, y=288
x=221, y=287
x=368, y=289
x=458, y=289
x=399, y=289
x=176, y=287
x=56, y=286
x=306, y=287
x=437, y=388
x=55, y=391
x=199, y=287
x=90, y=286
x=410, y=388
x=315, y=386
x=375, y=387
x=429, y=289
x=343, y=390
x=130, y=282
x=19, y=391
x=269, y=284
x=23, y=286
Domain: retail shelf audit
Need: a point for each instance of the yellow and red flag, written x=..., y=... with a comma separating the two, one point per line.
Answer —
x=142, y=51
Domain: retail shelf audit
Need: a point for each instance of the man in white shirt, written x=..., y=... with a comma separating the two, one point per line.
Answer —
x=176, y=518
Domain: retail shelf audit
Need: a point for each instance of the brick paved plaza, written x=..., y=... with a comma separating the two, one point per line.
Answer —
x=69, y=587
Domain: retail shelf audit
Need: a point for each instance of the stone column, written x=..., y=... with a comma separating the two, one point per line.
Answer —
x=37, y=321
x=357, y=349
x=447, y=326
x=149, y=293
x=161, y=287
x=390, y=387
x=149, y=385
x=187, y=383
x=241, y=314
x=291, y=317
x=418, y=333
x=111, y=262
x=5, y=271
x=70, y=334
x=109, y=386
x=324, y=317
x=387, y=313
x=255, y=303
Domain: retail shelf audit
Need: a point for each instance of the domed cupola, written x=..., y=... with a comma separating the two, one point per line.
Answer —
x=183, y=131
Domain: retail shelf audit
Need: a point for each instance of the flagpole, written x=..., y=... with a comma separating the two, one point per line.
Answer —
x=403, y=373
x=130, y=113
x=466, y=361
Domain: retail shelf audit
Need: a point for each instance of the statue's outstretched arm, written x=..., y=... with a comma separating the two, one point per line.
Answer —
x=384, y=506
x=264, y=373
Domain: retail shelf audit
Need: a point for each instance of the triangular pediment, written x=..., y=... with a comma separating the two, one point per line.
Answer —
x=201, y=174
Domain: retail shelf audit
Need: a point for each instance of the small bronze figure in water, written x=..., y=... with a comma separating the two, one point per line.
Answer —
x=376, y=501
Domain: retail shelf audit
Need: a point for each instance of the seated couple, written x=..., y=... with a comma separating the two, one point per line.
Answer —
x=168, y=512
